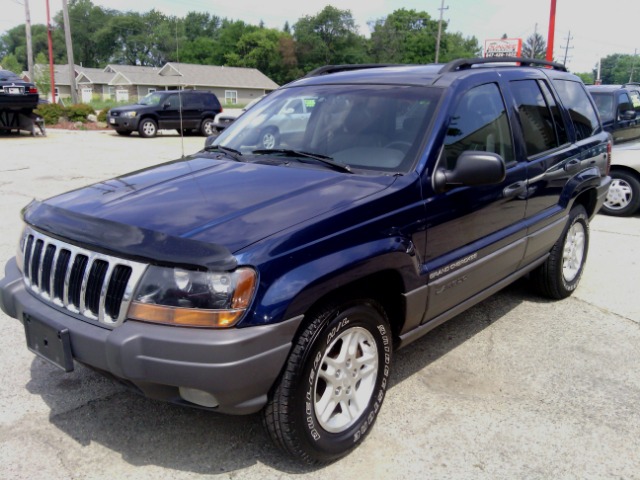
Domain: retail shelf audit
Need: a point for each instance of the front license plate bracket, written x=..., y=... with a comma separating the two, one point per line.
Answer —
x=49, y=341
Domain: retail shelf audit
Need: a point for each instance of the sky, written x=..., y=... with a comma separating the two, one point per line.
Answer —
x=583, y=34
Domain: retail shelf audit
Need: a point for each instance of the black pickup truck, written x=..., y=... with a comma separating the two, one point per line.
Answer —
x=619, y=109
x=282, y=278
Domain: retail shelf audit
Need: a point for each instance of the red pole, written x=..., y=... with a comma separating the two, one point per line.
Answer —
x=51, y=73
x=552, y=31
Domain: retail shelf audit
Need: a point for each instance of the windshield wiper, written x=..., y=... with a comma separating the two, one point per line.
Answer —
x=230, y=152
x=324, y=159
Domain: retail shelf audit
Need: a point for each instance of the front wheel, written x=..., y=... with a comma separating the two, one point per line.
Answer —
x=623, y=196
x=269, y=138
x=148, y=128
x=560, y=274
x=334, y=383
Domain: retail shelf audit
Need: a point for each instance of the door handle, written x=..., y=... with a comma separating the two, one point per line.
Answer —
x=572, y=165
x=515, y=189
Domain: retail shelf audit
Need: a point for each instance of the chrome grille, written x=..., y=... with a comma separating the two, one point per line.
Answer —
x=96, y=286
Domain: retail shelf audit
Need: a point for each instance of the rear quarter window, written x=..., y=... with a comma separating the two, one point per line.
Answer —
x=576, y=100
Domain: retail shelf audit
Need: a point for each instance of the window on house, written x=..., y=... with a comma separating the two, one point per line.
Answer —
x=230, y=97
x=151, y=90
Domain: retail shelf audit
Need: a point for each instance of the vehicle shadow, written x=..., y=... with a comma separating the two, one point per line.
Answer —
x=147, y=432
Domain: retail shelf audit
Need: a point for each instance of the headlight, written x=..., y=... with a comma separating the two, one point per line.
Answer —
x=129, y=114
x=175, y=296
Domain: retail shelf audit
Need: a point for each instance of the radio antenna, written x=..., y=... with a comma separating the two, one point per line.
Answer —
x=179, y=91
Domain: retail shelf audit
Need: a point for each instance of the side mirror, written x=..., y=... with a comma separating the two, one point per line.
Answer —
x=472, y=168
x=166, y=105
x=628, y=115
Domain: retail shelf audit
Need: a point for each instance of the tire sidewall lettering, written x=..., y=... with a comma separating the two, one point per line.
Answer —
x=356, y=432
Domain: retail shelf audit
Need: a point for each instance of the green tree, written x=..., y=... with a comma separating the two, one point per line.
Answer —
x=404, y=36
x=87, y=23
x=10, y=62
x=535, y=47
x=41, y=74
x=616, y=68
x=330, y=37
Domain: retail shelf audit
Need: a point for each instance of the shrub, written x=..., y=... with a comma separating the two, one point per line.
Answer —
x=102, y=115
x=79, y=112
x=51, y=112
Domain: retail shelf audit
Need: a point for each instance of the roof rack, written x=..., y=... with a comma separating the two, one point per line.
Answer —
x=466, y=63
x=327, y=69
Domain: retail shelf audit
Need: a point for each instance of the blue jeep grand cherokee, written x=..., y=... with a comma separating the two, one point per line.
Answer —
x=245, y=278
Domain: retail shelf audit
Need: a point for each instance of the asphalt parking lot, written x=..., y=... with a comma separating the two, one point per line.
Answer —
x=516, y=388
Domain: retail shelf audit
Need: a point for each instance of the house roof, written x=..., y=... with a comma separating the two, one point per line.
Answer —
x=218, y=76
x=114, y=68
x=170, y=75
x=94, y=75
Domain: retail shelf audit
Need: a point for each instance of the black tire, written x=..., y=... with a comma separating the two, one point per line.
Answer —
x=293, y=414
x=269, y=138
x=206, y=127
x=124, y=133
x=148, y=128
x=623, y=197
x=560, y=274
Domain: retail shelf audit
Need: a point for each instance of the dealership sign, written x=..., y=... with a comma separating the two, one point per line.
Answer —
x=503, y=47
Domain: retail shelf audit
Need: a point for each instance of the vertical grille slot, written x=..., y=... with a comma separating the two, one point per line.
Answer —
x=95, y=281
x=75, y=279
x=47, y=265
x=89, y=284
x=35, y=263
x=60, y=274
x=115, y=293
x=28, y=250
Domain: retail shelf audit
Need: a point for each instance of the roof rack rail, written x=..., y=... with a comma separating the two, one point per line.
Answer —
x=327, y=69
x=466, y=63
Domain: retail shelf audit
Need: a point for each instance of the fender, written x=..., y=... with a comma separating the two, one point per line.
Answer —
x=297, y=289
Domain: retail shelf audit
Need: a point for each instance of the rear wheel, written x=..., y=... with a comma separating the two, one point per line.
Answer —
x=560, y=274
x=207, y=128
x=334, y=383
x=148, y=128
x=623, y=196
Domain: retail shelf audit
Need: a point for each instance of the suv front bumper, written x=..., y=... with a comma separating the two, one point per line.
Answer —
x=123, y=123
x=237, y=366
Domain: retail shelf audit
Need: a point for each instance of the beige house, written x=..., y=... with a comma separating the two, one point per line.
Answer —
x=128, y=83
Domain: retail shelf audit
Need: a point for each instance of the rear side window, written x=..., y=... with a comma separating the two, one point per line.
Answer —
x=479, y=122
x=541, y=122
x=211, y=102
x=576, y=99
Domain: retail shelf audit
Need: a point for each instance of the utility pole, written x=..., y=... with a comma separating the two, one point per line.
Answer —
x=566, y=48
x=27, y=27
x=442, y=9
x=67, y=38
x=51, y=71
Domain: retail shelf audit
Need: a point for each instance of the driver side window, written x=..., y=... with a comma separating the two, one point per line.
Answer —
x=479, y=122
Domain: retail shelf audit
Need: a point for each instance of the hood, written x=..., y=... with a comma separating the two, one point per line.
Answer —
x=128, y=108
x=222, y=202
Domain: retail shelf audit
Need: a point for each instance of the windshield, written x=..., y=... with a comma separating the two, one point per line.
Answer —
x=373, y=127
x=151, y=99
